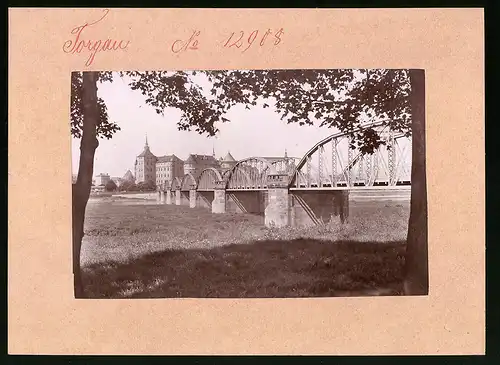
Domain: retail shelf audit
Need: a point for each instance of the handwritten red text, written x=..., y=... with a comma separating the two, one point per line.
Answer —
x=181, y=46
x=77, y=44
x=241, y=39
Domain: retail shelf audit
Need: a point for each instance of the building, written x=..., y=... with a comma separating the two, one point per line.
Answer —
x=195, y=164
x=145, y=165
x=163, y=169
x=102, y=179
x=158, y=169
x=168, y=168
x=227, y=163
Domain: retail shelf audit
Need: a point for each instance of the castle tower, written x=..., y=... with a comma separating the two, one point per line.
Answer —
x=145, y=165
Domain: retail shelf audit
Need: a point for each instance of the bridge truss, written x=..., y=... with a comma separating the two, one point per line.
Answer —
x=208, y=179
x=332, y=163
x=251, y=173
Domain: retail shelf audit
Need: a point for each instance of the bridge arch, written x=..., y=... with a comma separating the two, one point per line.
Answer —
x=225, y=175
x=188, y=182
x=208, y=179
x=249, y=173
x=331, y=162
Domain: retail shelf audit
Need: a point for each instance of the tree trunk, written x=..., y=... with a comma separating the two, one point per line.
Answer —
x=416, y=280
x=81, y=189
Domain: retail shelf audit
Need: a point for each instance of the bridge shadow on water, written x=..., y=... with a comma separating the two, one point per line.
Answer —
x=260, y=269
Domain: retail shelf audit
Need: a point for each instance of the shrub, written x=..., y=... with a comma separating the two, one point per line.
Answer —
x=110, y=186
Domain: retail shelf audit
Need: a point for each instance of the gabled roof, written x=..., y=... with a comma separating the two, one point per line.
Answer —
x=169, y=158
x=229, y=158
x=193, y=158
x=128, y=175
x=190, y=159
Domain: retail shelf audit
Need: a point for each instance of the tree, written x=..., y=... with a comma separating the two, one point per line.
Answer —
x=341, y=99
x=416, y=266
x=127, y=186
x=89, y=121
x=110, y=186
x=149, y=185
x=86, y=115
x=396, y=96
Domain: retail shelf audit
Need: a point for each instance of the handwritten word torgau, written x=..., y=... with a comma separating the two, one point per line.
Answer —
x=77, y=45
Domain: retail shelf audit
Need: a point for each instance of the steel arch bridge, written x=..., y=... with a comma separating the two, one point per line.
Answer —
x=332, y=164
x=251, y=173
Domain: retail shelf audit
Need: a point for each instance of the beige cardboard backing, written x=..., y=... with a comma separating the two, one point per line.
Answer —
x=43, y=317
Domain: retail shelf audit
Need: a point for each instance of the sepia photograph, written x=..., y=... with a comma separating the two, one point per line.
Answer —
x=249, y=183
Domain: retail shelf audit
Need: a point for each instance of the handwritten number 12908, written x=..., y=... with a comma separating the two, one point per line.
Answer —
x=241, y=40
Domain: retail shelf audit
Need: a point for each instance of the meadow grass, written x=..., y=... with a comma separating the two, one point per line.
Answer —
x=148, y=250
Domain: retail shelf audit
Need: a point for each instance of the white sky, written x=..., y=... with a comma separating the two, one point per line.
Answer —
x=255, y=132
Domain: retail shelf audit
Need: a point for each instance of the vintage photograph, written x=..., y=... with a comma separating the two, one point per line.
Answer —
x=249, y=183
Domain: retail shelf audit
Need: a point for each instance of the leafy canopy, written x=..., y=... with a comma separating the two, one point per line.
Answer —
x=342, y=99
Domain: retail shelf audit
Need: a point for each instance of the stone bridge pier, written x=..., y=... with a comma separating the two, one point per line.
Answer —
x=303, y=208
x=277, y=212
x=178, y=196
x=168, y=196
x=219, y=202
x=192, y=198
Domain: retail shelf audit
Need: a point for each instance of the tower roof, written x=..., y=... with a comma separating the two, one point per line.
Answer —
x=229, y=158
x=146, y=151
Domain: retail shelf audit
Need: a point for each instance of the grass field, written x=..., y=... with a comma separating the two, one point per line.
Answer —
x=134, y=250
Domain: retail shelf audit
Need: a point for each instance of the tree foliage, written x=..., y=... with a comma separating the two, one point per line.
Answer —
x=110, y=186
x=342, y=99
x=146, y=185
x=128, y=186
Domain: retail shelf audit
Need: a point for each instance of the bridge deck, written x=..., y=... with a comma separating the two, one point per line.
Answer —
x=325, y=188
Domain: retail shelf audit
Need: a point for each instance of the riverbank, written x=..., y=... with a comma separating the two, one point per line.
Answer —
x=150, y=250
